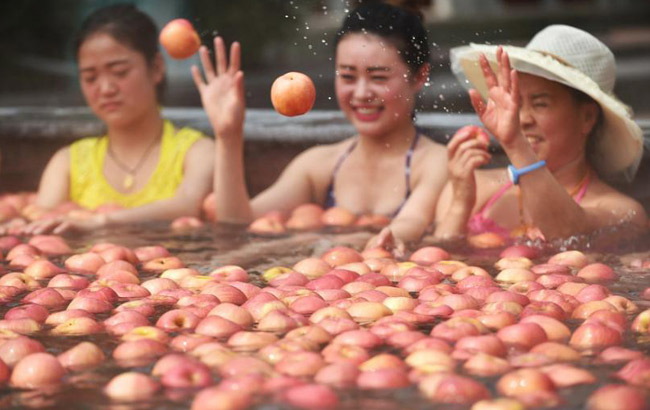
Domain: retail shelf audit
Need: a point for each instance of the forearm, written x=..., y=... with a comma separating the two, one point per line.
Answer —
x=168, y=209
x=453, y=223
x=408, y=229
x=551, y=208
x=232, y=200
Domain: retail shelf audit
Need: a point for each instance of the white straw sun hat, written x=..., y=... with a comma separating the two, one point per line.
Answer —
x=578, y=60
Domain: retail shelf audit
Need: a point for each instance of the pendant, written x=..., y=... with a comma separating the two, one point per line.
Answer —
x=128, y=182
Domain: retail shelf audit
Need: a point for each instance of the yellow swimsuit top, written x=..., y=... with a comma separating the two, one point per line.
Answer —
x=90, y=189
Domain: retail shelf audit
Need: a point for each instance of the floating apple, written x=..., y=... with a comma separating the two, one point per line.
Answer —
x=180, y=39
x=293, y=94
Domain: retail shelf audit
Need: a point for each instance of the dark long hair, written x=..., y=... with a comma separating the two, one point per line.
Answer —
x=400, y=26
x=127, y=25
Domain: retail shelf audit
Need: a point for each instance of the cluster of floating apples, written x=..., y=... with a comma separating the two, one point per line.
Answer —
x=18, y=209
x=343, y=320
x=313, y=217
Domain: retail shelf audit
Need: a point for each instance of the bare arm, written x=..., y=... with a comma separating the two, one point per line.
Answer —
x=222, y=95
x=294, y=186
x=551, y=208
x=54, y=188
x=419, y=210
x=466, y=152
x=187, y=200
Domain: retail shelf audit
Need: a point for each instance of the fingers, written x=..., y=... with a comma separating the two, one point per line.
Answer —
x=239, y=84
x=235, y=58
x=198, y=79
x=488, y=74
x=41, y=227
x=62, y=228
x=477, y=102
x=464, y=135
x=504, y=69
x=208, y=69
x=220, y=50
x=514, y=79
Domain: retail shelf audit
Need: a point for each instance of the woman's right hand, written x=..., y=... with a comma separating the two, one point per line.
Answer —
x=222, y=91
x=466, y=151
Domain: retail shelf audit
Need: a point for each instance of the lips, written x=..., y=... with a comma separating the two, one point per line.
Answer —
x=534, y=140
x=110, y=105
x=367, y=113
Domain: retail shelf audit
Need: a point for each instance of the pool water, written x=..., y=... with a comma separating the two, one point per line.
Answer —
x=209, y=247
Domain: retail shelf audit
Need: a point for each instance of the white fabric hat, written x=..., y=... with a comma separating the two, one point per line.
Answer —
x=578, y=60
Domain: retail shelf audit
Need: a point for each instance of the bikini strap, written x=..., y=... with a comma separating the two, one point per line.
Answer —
x=495, y=197
x=407, y=171
x=330, y=200
x=583, y=188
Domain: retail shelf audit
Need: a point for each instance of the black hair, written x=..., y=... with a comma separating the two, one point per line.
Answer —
x=592, y=138
x=130, y=27
x=399, y=26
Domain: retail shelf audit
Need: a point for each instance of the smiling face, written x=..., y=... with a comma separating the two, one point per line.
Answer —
x=116, y=81
x=553, y=121
x=374, y=87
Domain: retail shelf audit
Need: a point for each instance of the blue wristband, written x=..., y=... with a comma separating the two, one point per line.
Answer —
x=514, y=174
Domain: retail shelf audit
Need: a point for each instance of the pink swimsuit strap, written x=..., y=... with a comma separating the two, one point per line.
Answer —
x=479, y=223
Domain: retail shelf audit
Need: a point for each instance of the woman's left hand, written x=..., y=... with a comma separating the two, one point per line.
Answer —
x=500, y=113
x=386, y=240
x=64, y=224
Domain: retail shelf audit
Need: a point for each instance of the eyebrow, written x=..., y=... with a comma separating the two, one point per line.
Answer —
x=540, y=95
x=109, y=65
x=369, y=69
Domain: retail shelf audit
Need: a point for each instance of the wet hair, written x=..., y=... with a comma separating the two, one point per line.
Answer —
x=127, y=25
x=400, y=26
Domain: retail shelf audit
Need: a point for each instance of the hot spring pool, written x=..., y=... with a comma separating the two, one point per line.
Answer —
x=209, y=247
x=28, y=137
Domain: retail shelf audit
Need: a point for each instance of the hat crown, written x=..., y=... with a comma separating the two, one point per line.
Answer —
x=580, y=50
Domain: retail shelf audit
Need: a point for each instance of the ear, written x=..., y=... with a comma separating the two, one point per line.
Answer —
x=421, y=76
x=158, y=68
x=590, y=113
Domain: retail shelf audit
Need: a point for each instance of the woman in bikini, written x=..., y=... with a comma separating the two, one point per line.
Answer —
x=387, y=168
x=559, y=125
x=144, y=164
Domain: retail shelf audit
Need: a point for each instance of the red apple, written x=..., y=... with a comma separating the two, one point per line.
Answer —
x=131, y=386
x=180, y=39
x=36, y=371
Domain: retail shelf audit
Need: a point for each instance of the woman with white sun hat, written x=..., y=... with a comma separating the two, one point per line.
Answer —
x=551, y=107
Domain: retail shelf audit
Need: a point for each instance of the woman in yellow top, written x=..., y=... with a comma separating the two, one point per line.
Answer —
x=144, y=163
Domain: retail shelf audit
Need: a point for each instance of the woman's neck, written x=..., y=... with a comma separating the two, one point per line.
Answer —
x=395, y=142
x=131, y=139
x=572, y=173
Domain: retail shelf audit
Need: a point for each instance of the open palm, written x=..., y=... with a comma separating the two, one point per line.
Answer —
x=222, y=91
x=500, y=114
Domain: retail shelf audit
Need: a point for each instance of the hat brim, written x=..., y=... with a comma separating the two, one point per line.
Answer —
x=619, y=147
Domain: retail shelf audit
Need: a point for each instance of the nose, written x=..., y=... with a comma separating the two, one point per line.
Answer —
x=525, y=116
x=362, y=90
x=106, y=85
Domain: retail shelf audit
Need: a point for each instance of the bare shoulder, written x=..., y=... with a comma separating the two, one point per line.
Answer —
x=61, y=158
x=202, y=145
x=430, y=160
x=201, y=152
x=431, y=149
x=606, y=198
x=322, y=156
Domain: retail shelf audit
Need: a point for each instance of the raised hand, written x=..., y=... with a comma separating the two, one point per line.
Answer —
x=222, y=91
x=500, y=114
x=466, y=151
